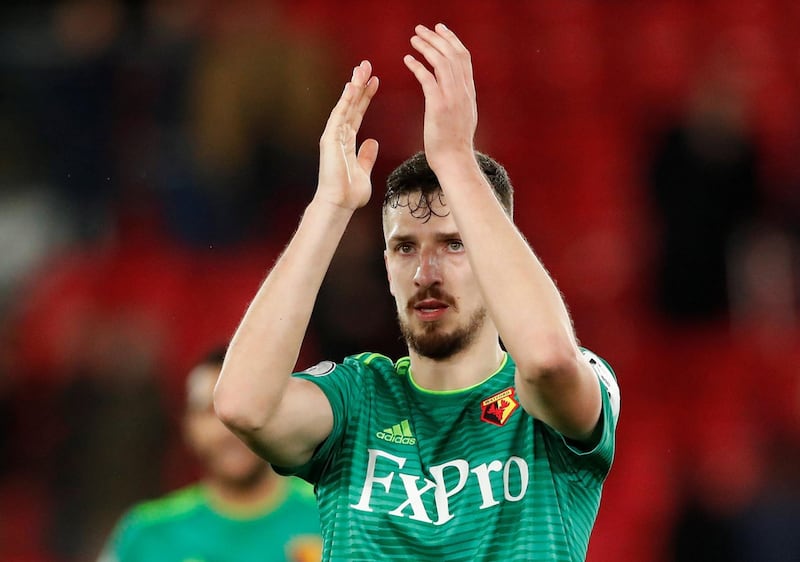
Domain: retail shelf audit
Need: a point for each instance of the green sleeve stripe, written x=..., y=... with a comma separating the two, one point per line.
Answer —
x=402, y=366
x=371, y=357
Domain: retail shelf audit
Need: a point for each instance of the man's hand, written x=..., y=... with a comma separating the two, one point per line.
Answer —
x=451, y=113
x=344, y=173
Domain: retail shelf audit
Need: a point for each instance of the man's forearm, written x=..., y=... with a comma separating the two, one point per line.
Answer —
x=554, y=383
x=522, y=298
x=265, y=347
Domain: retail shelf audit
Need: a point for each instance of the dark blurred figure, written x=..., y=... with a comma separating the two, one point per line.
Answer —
x=240, y=510
x=718, y=479
x=114, y=433
x=749, y=520
x=195, y=116
x=356, y=280
x=76, y=96
x=705, y=530
x=705, y=188
x=770, y=530
x=703, y=535
x=256, y=94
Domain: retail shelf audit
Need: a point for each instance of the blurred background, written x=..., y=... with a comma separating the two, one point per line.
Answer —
x=155, y=157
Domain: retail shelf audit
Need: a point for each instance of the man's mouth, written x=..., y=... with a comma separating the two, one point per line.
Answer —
x=430, y=309
x=429, y=305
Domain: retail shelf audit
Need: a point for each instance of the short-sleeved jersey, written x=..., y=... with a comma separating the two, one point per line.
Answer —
x=411, y=474
x=185, y=526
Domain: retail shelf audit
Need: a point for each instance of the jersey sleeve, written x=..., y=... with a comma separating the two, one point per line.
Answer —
x=119, y=544
x=109, y=552
x=595, y=461
x=341, y=384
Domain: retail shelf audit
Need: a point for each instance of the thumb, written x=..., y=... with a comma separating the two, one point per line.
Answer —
x=368, y=154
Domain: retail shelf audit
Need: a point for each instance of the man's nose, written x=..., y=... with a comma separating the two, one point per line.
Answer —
x=428, y=270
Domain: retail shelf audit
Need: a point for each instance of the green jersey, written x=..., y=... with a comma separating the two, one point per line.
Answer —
x=185, y=526
x=411, y=474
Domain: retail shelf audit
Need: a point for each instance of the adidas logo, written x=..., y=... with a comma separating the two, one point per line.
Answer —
x=399, y=433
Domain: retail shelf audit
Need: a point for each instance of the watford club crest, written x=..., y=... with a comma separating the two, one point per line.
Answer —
x=497, y=409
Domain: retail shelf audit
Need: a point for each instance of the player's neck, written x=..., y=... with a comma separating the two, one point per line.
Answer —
x=467, y=368
x=243, y=499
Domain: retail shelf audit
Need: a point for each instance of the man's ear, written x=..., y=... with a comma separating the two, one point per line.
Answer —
x=388, y=275
x=189, y=431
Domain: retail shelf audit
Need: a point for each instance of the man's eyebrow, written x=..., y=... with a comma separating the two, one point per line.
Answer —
x=397, y=238
x=441, y=237
x=444, y=236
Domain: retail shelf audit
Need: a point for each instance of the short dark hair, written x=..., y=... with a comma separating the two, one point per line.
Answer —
x=415, y=175
x=214, y=356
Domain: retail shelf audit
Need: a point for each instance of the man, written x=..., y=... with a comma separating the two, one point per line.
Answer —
x=460, y=451
x=241, y=511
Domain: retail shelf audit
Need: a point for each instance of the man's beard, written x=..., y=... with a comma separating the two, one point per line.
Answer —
x=435, y=344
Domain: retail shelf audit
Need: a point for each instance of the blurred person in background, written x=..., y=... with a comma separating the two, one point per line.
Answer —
x=77, y=102
x=112, y=426
x=459, y=451
x=770, y=523
x=343, y=292
x=705, y=189
x=255, y=95
x=240, y=511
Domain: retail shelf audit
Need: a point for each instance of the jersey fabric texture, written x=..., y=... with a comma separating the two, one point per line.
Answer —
x=185, y=527
x=411, y=474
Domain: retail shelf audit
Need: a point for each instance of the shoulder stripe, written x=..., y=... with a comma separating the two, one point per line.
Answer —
x=402, y=366
x=607, y=377
x=173, y=505
x=372, y=357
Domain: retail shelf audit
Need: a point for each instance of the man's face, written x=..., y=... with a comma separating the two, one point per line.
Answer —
x=439, y=305
x=223, y=455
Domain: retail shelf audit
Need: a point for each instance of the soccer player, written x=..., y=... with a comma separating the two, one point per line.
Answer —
x=492, y=439
x=241, y=511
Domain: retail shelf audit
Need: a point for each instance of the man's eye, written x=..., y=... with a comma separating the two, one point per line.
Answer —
x=405, y=248
x=455, y=245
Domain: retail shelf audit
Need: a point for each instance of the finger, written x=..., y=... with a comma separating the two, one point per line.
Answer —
x=347, y=105
x=340, y=110
x=437, y=40
x=356, y=85
x=460, y=50
x=440, y=60
x=422, y=74
x=368, y=155
x=361, y=74
x=362, y=103
x=450, y=37
x=364, y=86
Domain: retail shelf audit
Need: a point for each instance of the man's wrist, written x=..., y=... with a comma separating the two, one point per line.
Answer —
x=455, y=154
x=458, y=168
x=320, y=206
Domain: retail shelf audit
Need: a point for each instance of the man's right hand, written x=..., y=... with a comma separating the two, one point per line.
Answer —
x=344, y=174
